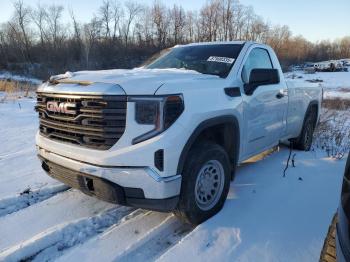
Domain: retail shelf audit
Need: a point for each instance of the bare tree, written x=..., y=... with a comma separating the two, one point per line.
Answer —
x=42, y=36
x=178, y=20
x=161, y=23
x=259, y=30
x=132, y=10
x=106, y=16
x=190, y=26
x=209, y=20
x=344, y=46
x=117, y=16
x=76, y=38
x=54, y=15
x=90, y=35
x=20, y=22
x=3, y=49
x=39, y=16
x=76, y=27
x=227, y=15
x=279, y=35
x=143, y=28
x=238, y=22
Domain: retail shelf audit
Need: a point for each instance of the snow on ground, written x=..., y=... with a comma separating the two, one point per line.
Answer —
x=52, y=237
x=129, y=236
x=7, y=75
x=335, y=84
x=20, y=169
x=60, y=209
x=27, y=198
x=270, y=217
x=267, y=217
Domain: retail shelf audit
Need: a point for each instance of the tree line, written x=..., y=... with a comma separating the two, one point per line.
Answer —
x=37, y=41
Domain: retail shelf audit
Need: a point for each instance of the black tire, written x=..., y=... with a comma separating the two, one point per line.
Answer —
x=328, y=253
x=304, y=141
x=188, y=209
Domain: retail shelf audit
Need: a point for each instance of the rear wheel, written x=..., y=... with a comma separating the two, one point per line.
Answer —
x=205, y=183
x=304, y=141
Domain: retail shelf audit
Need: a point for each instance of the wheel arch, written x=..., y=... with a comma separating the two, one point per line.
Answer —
x=313, y=105
x=218, y=128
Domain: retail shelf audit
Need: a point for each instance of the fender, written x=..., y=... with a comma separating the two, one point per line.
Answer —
x=230, y=119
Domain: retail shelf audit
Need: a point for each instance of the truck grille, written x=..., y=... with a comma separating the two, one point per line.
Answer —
x=87, y=120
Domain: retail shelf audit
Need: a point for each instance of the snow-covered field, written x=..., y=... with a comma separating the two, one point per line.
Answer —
x=335, y=84
x=267, y=217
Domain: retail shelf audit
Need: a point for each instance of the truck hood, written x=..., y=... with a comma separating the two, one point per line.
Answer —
x=138, y=81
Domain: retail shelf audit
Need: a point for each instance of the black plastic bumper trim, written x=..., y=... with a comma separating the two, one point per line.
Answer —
x=161, y=205
x=106, y=190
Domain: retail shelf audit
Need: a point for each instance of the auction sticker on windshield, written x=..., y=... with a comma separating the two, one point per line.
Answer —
x=220, y=59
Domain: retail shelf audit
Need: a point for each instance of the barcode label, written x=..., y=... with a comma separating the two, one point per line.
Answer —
x=219, y=59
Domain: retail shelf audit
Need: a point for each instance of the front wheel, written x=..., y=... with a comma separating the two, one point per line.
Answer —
x=205, y=183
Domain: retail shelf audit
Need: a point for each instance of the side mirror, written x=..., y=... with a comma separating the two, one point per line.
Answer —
x=260, y=77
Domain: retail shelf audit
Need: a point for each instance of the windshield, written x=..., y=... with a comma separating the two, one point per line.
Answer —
x=206, y=59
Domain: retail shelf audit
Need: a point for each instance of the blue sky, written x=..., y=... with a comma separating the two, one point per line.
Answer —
x=314, y=19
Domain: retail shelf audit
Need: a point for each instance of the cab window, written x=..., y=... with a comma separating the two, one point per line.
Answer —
x=258, y=58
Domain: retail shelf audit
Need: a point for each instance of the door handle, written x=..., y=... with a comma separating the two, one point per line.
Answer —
x=279, y=95
x=282, y=93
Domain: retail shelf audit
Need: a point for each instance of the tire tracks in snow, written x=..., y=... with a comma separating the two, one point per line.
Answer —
x=55, y=212
x=143, y=237
x=158, y=242
x=76, y=226
x=28, y=198
x=50, y=244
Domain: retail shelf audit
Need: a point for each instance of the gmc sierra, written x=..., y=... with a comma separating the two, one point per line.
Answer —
x=168, y=136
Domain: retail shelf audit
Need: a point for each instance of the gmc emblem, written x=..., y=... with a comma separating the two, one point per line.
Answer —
x=57, y=107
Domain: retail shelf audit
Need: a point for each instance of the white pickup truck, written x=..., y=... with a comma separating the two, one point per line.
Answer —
x=168, y=136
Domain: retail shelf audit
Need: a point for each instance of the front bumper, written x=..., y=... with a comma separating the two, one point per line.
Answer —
x=133, y=186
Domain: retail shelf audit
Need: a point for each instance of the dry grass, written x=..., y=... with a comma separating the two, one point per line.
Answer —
x=336, y=104
x=16, y=89
x=16, y=86
x=333, y=131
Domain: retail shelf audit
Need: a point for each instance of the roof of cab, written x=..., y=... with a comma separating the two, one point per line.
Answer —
x=218, y=42
x=248, y=43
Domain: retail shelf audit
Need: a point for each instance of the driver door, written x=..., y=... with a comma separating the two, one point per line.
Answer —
x=264, y=110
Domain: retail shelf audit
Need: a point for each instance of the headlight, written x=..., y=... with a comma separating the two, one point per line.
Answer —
x=146, y=112
x=160, y=111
